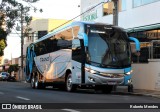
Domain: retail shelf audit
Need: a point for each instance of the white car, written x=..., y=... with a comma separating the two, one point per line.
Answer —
x=4, y=75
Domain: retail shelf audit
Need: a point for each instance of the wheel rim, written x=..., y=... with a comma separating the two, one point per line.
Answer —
x=32, y=83
x=69, y=83
x=36, y=82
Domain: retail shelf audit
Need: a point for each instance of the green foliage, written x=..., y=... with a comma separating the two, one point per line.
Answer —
x=13, y=68
x=2, y=46
x=10, y=14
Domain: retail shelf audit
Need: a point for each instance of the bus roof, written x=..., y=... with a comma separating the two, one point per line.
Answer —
x=75, y=23
x=63, y=28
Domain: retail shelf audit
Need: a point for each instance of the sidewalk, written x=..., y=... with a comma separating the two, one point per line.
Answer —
x=138, y=92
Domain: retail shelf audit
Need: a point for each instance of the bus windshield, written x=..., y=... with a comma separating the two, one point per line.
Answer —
x=107, y=47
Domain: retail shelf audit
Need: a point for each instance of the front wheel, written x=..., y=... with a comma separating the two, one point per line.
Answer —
x=70, y=87
x=130, y=88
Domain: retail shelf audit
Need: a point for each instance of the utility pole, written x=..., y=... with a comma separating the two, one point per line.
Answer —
x=22, y=41
x=115, y=22
x=115, y=12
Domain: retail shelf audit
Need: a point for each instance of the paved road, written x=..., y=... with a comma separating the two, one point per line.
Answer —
x=16, y=92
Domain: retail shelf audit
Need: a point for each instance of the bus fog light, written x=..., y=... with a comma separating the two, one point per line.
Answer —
x=91, y=79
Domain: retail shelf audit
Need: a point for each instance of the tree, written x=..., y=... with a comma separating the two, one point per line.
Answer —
x=10, y=14
x=2, y=46
x=13, y=68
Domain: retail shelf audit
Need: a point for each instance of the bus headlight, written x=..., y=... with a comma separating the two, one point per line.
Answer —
x=129, y=73
x=93, y=71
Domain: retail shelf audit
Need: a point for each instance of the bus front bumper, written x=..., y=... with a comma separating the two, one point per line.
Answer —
x=97, y=79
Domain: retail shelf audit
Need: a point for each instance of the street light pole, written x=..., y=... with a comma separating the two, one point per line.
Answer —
x=115, y=12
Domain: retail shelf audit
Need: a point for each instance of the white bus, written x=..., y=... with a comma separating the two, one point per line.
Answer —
x=81, y=54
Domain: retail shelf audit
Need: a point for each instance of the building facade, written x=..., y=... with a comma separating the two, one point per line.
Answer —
x=140, y=18
x=40, y=27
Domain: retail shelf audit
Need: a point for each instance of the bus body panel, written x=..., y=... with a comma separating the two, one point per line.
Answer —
x=76, y=72
x=54, y=65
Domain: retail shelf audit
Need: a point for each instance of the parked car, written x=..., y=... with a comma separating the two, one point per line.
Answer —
x=4, y=76
x=11, y=78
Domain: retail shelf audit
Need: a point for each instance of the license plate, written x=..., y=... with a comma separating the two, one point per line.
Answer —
x=112, y=83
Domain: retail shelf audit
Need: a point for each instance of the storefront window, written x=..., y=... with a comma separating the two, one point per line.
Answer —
x=122, y=5
x=137, y=3
x=155, y=51
x=108, y=7
x=144, y=53
x=150, y=45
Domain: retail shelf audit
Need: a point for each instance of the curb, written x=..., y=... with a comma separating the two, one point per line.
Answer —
x=137, y=94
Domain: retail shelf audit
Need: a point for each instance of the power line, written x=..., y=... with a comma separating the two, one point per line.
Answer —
x=79, y=15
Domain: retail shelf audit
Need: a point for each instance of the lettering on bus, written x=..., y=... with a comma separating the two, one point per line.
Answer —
x=44, y=59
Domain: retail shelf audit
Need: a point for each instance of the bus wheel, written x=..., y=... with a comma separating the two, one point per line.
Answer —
x=107, y=89
x=130, y=88
x=69, y=86
x=38, y=85
x=33, y=82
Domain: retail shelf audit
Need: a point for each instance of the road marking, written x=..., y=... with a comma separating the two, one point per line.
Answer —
x=23, y=98
x=1, y=93
x=70, y=110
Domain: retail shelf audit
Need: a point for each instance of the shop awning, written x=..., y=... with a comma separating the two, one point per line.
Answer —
x=144, y=28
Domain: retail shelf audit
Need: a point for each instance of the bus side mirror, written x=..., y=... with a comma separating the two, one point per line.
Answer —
x=137, y=43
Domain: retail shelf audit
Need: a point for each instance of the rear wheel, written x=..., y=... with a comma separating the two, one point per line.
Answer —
x=37, y=83
x=70, y=87
x=33, y=82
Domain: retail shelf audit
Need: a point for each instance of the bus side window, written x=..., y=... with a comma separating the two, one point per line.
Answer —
x=76, y=50
x=42, y=48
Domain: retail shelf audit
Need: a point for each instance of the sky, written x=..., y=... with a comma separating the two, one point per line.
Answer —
x=56, y=9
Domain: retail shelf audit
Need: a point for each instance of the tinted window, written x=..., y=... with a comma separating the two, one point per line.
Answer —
x=64, y=44
x=5, y=74
x=62, y=40
x=40, y=48
x=76, y=50
x=137, y=3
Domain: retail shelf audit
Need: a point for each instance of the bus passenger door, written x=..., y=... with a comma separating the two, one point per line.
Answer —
x=78, y=61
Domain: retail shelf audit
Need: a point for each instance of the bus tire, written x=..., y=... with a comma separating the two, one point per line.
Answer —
x=38, y=84
x=33, y=82
x=69, y=86
x=130, y=88
x=107, y=89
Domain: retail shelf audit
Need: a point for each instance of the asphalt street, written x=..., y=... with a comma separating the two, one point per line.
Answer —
x=20, y=92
